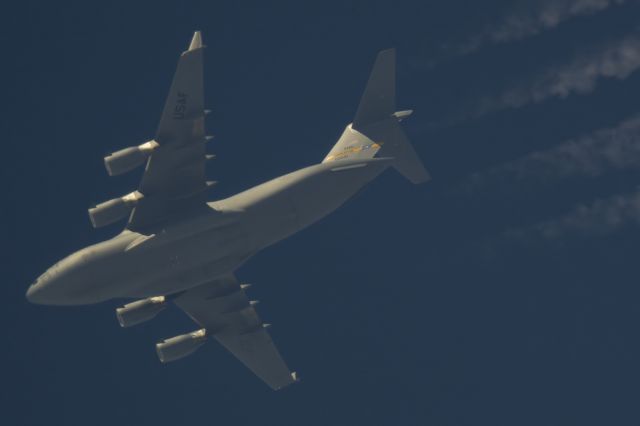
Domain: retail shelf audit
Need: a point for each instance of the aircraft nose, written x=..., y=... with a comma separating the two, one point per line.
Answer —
x=40, y=291
x=34, y=292
x=59, y=285
x=43, y=292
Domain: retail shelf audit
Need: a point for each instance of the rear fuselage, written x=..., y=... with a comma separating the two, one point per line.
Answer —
x=198, y=249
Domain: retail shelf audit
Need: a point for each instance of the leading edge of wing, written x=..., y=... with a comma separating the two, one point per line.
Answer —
x=174, y=180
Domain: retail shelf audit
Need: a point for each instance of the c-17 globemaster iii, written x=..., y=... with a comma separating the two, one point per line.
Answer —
x=179, y=248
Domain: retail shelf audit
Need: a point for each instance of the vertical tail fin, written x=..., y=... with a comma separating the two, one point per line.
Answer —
x=376, y=126
x=378, y=101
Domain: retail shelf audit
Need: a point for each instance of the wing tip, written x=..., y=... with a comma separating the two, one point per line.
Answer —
x=196, y=41
x=293, y=378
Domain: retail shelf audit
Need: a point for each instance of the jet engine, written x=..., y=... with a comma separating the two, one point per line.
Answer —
x=180, y=346
x=140, y=311
x=113, y=210
x=129, y=158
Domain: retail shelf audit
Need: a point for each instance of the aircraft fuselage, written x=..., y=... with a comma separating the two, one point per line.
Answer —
x=190, y=252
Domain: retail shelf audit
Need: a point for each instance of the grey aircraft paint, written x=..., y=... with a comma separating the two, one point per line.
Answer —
x=177, y=245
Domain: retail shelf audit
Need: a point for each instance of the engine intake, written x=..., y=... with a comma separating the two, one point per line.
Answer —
x=140, y=311
x=128, y=159
x=113, y=210
x=180, y=346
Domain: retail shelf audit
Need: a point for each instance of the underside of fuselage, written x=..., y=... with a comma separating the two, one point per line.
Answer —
x=193, y=251
x=131, y=264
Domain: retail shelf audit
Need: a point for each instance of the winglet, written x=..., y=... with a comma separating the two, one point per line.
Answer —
x=196, y=41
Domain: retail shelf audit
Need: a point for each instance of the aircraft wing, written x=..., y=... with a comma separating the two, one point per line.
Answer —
x=174, y=178
x=222, y=308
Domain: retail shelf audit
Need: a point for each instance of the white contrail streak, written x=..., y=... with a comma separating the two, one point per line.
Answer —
x=528, y=18
x=616, y=148
x=617, y=60
x=601, y=218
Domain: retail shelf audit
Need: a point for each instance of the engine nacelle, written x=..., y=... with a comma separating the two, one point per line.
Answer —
x=180, y=346
x=113, y=210
x=129, y=158
x=140, y=311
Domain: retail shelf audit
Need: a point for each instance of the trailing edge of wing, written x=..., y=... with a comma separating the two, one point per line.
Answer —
x=221, y=306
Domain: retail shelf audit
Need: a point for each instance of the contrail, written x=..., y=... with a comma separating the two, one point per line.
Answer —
x=617, y=59
x=601, y=218
x=529, y=18
x=615, y=148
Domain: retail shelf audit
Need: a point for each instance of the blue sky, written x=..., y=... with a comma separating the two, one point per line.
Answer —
x=503, y=292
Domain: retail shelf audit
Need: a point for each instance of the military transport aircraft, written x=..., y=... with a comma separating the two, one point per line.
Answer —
x=179, y=248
